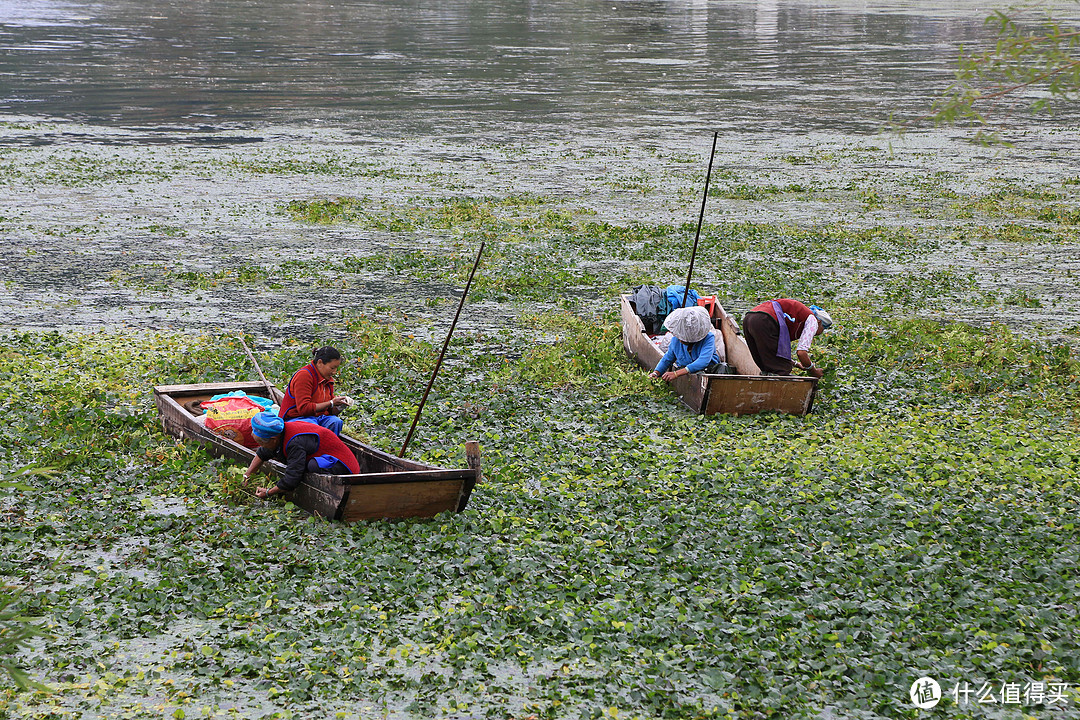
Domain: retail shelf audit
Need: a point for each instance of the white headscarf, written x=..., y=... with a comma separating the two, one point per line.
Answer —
x=823, y=318
x=689, y=324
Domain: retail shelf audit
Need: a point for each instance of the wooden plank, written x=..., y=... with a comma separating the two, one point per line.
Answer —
x=375, y=502
x=374, y=460
x=745, y=396
x=254, y=388
x=319, y=496
x=738, y=353
x=406, y=476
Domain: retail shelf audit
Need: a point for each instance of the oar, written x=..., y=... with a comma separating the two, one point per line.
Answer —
x=438, y=363
x=269, y=387
x=701, y=217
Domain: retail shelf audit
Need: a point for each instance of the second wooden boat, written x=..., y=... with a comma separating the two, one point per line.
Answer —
x=386, y=487
x=733, y=394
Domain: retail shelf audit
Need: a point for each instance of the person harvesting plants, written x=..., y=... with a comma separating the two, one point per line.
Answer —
x=303, y=446
x=771, y=327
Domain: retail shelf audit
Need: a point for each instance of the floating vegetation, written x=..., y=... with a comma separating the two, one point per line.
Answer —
x=331, y=165
x=621, y=558
x=83, y=169
x=756, y=192
x=598, y=556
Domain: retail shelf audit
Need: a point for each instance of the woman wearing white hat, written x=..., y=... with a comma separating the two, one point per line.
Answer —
x=770, y=340
x=693, y=347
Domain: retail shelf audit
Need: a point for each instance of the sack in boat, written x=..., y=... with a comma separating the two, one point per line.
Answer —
x=266, y=404
x=649, y=303
x=674, y=296
x=230, y=417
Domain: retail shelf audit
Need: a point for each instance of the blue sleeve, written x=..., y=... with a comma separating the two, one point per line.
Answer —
x=669, y=357
x=706, y=350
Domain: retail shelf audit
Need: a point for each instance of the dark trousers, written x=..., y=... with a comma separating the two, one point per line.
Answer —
x=762, y=333
x=338, y=468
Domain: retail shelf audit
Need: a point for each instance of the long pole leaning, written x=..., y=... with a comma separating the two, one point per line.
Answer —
x=446, y=344
x=269, y=387
x=701, y=218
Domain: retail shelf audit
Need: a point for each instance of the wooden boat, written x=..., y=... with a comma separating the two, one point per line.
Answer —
x=734, y=394
x=387, y=486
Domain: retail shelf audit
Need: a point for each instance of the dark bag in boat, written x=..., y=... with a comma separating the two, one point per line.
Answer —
x=651, y=306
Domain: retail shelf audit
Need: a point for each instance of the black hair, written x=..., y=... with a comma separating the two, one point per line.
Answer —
x=325, y=354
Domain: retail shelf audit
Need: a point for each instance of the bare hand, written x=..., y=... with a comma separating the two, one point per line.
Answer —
x=654, y=374
x=816, y=372
x=265, y=492
x=670, y=375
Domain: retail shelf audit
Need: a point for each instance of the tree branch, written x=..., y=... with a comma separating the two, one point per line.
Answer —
x=1032, y=81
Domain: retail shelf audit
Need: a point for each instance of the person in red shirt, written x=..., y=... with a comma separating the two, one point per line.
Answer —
x=310, y=393
x=771, y=327
x=304, y=447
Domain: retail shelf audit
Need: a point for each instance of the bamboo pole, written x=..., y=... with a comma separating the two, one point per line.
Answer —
x=701, y=218
x=269, y=387
x=446, y=343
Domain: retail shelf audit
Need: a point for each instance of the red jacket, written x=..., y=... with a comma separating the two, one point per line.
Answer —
x=794, y=308
x=306, y=388
x=329, y=443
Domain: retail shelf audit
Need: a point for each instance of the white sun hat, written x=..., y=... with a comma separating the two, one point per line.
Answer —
x=689, y=324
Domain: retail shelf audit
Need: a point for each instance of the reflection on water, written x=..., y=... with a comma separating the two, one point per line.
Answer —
x=467, y=67
x=767, y=20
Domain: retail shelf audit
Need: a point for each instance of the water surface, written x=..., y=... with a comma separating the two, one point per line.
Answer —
x=482, y=68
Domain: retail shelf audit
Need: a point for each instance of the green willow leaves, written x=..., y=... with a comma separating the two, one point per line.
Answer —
x=1030, y=64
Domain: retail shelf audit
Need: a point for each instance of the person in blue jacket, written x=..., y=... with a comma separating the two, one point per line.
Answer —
x=693, y=347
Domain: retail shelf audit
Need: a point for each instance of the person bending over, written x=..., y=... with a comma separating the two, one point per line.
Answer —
x=770, y=340
x=303, y=446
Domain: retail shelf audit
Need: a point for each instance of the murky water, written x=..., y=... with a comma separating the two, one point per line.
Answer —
x=128, y=134
x=142, y=143
x=482, y=68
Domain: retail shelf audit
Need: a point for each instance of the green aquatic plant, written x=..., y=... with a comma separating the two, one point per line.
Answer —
x=621, y=557
x=16, y=629
x=756, y=192
x=620, y=553
x=16, y=632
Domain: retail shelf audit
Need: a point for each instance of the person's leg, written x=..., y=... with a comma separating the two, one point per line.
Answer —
x=331, y=422
x=339, y=468
x=324, y=464
x=751, y=326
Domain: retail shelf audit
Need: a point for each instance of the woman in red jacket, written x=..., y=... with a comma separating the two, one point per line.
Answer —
x=772, y=326
x=310, y=393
